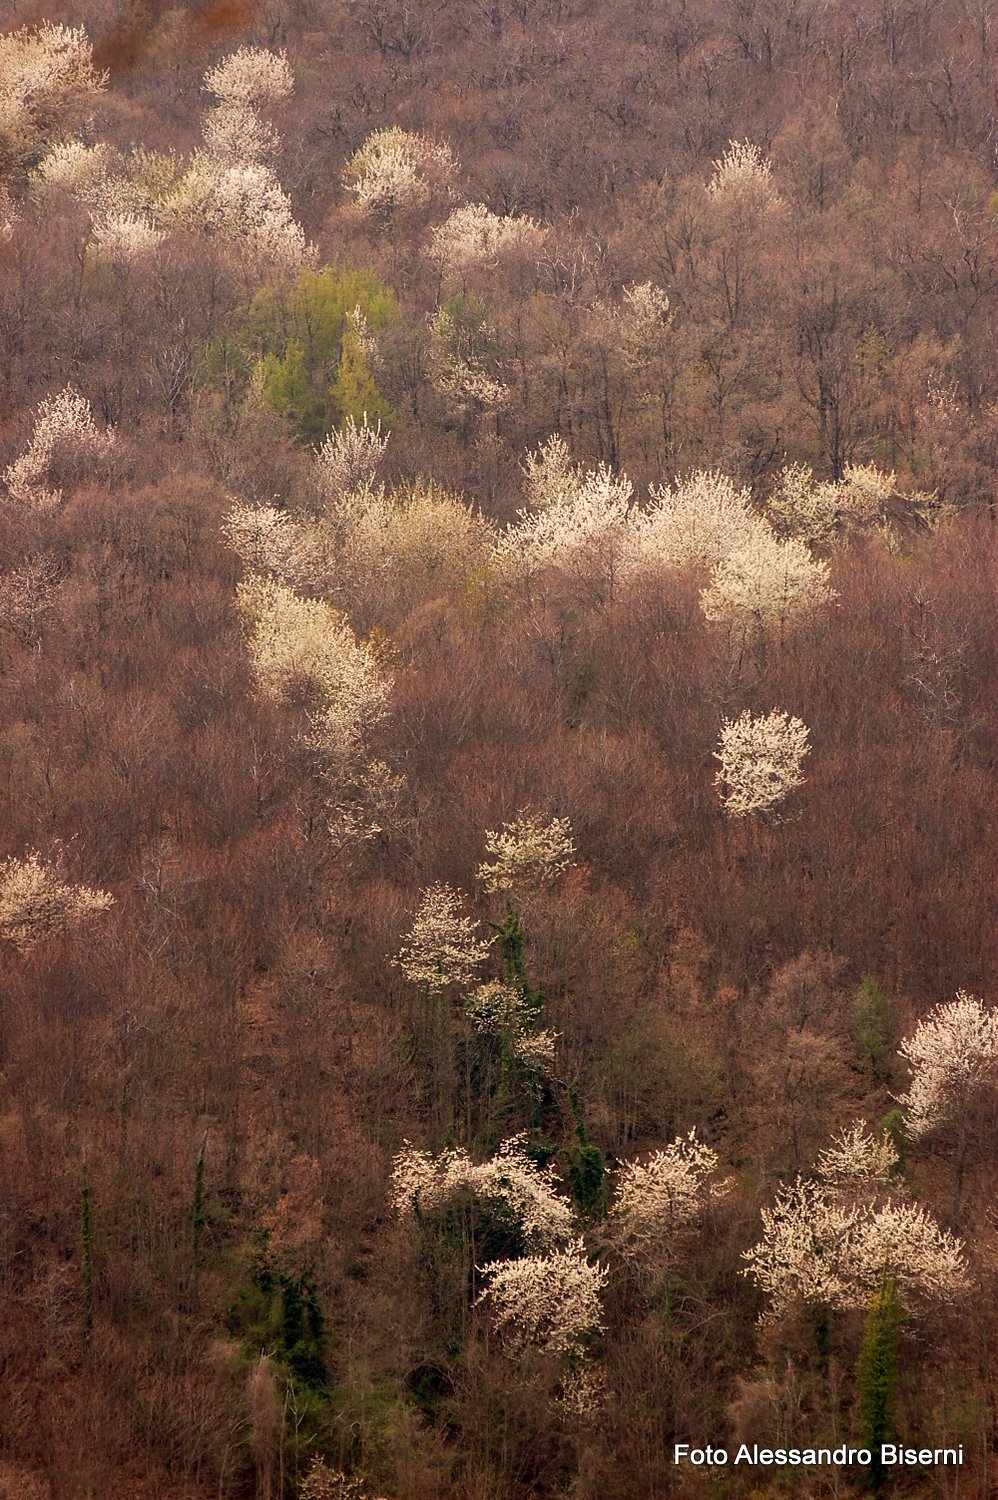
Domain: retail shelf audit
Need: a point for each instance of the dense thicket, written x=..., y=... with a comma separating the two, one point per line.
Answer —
x=267, y=678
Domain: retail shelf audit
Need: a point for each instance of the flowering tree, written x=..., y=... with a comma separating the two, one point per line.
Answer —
x=510, y=1181
x=658, y=1198
x=552, y=478
x=35, y=903
x=64, y=430
x=505, y=1013
x=527, y=852
x=349, y=459
x=241, y=201
x=744, y=172
x=47, y=83
x=857, y=1157
x=695, y=523
x=251, y=76
x=550, y=1302
x=817, y=1249
x=768, y=580
x=864, y=499
x=582, y=529
x=761, y=758
x=442, y=946
x=397, y=168
x=306, y=642
x=473, y=237
x=953, y=1054
x=268, y=540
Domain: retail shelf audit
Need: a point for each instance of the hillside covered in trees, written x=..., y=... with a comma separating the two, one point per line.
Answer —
x=498, y=741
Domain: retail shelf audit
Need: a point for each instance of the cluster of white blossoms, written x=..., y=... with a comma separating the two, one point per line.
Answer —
x=242, y=202
x=819, y=1249
x=550, y=1302
x=243, y=83
x=473, y=237
x=527, y=852
x=442, y=946
x=552, y=478
x=864, y=499
x=268, y=540
x=761, y=758
x=498, y=1010
x=657, y=1198
x=642, y=321
x=396, y=168
x=47, y=83
x=305, y=642
x=35, y=903
x=511, y=1182
x=580, y=528
x=121, y=219
x=767, y=580
x=953, y=1054
x=577, y=517
x=744, y=172
x=64, y=431
x=857, y=1157
x=349, y=459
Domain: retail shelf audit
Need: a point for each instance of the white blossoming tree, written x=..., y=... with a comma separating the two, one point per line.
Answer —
x=510, y=1182
x=527, y=853
x=766, y=581
x=396, y=168
x=820, y=1250
x=761, y=758
x=442, y=946
x=504, y=1013
x=581, y=531
x=64, y=433
x=657, y=1199
x=305, y=642
x=251, y=76
x=857, y=1157
x=548, y=1302
x=36, y=903
x=744, y=172
x=953, y=1054
x=48, y=83
x=349, y=459
x=474, y=238
x=695, y=523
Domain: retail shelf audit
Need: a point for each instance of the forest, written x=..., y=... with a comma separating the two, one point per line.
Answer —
x=498, y=748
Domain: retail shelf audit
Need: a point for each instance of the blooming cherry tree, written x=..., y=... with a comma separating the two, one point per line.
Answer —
x=766, y=579
x=424, y=1184
x=397, y=168
x=442, y=946
x=856, y=1157
x=47, y=84
x=35, y=903
x=499, y=1010
x=305, y=641
x=64, y=430
x=817, y=1249
x=761, y=758
x=527, y=852
x=667, y=1193
x=550, y=1302
x=474, y=237
x=953, y=1054
x=743, y=171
